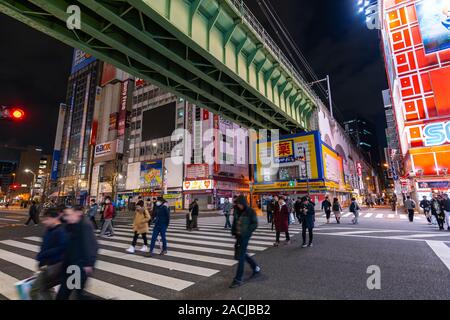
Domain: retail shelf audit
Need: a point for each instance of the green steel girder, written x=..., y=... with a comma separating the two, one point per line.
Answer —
x=133, y=35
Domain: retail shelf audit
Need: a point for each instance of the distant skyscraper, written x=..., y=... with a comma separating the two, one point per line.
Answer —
x=362, y=133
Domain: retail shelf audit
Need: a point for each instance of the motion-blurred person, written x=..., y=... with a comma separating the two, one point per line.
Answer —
x=354, y=208
x=108, y=215
x=50, y=256
x=276, y=208
x=270, y=209
x=162, y=221
x=446, y=207
x=337, y=209
x=226, y=212
x=80, y=255
x=282, y=222
x=192, y=217
x=140, y=226
x=425, y=204
x=298, y=207
x=33, y=214
x=436, y=209
x=92, y=212
x=326, y=207
x=245, y=223
x=410, y=205
x=308, y=217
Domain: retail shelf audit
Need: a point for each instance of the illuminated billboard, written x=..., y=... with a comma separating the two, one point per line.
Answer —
x=151, y=174
x=434, y=22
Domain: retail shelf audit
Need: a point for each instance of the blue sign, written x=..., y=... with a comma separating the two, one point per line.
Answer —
x=80, y=60
x=55, y=164
x=434, y=22
x=436, y=134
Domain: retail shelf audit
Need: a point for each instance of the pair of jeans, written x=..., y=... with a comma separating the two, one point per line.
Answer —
x=107, y=226
x=243, y=257
x=269, y=216
x=411, y=215
x=32, y=217
x=277, y=237
x=136, y=236
x=94, y=223
x=310, y=232
x=64, y=292
x=45, y=281
x=227, y=221
x=328, y=214
x=355, y=219
x=447, y=218
x=157, y=230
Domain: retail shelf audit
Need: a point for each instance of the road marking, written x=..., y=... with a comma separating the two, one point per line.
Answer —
x=368, y=215
x=421, y=235
x=441, y=250
x=403, y=217
x=96, y=287
x=359, y=232
x=135, y=274
x=193, y=236
x=6, y=219
x=379, y=216
x=375, y=237
x=220, y=226
x=347, y=214
x=391, y=216
x=7, y=286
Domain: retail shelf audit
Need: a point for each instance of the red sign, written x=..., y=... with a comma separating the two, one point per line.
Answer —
x=205, y=114
x=93, y=139
x=359, y=168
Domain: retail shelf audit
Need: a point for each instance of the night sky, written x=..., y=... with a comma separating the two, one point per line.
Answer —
x=334, y=39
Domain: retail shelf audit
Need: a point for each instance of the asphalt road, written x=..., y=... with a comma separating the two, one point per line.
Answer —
x=413, y=258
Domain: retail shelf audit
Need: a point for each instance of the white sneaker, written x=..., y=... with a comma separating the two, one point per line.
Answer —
x=143, y=249
x=130, y=249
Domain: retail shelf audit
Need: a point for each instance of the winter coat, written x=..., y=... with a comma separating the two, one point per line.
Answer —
x=53, y=246
x=326, y=205
x=227, y=208
x=92, y=211
x=141, y=219
x=108, y=213
x=82, y=247
x=308, y=215
x=281, y=218
x=194, y=209
x=162, y=217
x=354, y=206
x=245, y=222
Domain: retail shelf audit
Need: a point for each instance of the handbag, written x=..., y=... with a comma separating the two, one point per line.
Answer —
x=23, y=287
x=291, y=218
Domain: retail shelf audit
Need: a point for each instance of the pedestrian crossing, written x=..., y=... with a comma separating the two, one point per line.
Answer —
x=374, y=215
x=193, y=257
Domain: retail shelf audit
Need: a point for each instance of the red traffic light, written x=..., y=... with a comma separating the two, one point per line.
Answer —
x=11, y=113
x=14, y=186
x=17, y=114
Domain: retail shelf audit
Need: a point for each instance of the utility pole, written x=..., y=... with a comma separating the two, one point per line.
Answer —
x=306, y=170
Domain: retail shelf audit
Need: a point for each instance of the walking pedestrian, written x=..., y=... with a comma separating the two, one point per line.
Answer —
x=298, y=207
x=50, y=256
x=282, y=222
x=326, y=207
x=441, y=212
x=245, y=223
x=354, y=208
x=140, y=227
x=308, y=216
x=446, y=206
x=108, y=215
x=276, y=208
x=92, y=211
x=33, y=214
x=409, y=206
x=80, y=254
x=192, y=218
x=226, y=212
x=337, y=209
x=435, y=210
x=162, y=221
x=426, y=207
x=270, y=209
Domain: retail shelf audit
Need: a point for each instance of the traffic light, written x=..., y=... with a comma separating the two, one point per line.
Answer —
x=11, y=113
x=14, y=186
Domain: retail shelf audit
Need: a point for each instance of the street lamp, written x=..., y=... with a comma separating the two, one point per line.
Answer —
x=34, y=181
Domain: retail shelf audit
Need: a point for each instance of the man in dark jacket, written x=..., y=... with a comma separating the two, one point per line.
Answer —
x=245, y=223
x=193, y=214
x=425, y=204
x=50, y=256
x=80, y=255
x=298, y=208
x=270, y=209
x=33, y=214
x=161, y=221
x=326, y=207
x=307, y=217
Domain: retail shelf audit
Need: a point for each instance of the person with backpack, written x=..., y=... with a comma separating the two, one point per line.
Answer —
x=410, y=205
x=326, y=207
x=337, y=209
x=108, y=215
x=354, y=208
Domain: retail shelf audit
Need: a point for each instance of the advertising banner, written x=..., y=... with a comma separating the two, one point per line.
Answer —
x=151, y=174
x=198, y=185
x=434, y=22
x=55, y=164
x=333, y=166
x=197, y=171
x=80, y=60
x=122, y=118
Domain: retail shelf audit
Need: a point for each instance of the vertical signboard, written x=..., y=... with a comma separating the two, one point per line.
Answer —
x=122, y=118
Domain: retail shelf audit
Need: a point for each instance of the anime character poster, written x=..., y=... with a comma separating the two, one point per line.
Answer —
x=434, y=22
x=151, y=174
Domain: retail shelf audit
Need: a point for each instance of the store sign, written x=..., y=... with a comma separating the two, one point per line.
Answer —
x=359, y=169
x=284, y=151
x=197, y=171
x=123, y=108
x=151, y=174
x=434, y=184
x=198, y=185
x=436, y=134
x=103, y=149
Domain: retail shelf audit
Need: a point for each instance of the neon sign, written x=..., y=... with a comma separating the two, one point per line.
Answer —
x=436, y=134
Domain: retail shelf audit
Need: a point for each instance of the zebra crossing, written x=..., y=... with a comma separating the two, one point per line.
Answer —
x=374, y=215
x=192, y=257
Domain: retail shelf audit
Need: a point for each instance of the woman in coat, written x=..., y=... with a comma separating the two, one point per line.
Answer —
x=281, y=221
x=337, y=209
x=140, y=227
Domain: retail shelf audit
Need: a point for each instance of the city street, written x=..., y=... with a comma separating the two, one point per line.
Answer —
x=414, y=259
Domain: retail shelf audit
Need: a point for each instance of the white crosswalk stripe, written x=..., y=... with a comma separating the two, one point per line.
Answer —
x=391, y=216
x=380, y=216
x=191, y=257
x=368, y=215
x=347, y=215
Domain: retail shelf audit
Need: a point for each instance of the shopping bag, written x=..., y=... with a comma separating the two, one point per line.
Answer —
x=23, y=288
x=433, y=220
x=291, y=218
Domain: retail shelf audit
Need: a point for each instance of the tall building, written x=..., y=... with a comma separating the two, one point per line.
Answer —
x=362, y=132
x=416, y=43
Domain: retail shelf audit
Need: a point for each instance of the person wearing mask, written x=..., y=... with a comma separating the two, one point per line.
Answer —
x=270, y=209
x=226, y=212
x=308, y=216
x=33, y=214
x=425, y=204
x=153, y=212
x=282, y=222
x=354, y=208
x=81, y=252
x=337, y=209
x=50, y=256
x=409, y=206
x=108, y=215
x=446, y=207
x=162, y=220
x=92, y=211
x=192, y=218
x=245, y=223
x=140, y=227
x=326, y=207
